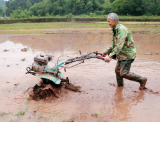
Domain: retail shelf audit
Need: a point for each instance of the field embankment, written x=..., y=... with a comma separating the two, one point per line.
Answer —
x=34, y=20
x=39, y=20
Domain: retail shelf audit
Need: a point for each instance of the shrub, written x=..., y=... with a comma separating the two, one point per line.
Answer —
x=70, y=15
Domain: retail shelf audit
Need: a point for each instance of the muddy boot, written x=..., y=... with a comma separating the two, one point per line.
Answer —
x=135, y=77
x=119, y=81
x=143, y=83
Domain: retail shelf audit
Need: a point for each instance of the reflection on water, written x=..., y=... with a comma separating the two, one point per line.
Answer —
x=124, y=103
x=100, y=100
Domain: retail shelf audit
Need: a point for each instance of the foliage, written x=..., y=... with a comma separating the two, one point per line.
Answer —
x=18, y=14
x=21, y=113
x=64, y=7
x=107, y=7
x=69, y=15
x=41, y=8
x=2, y=113
x=1, y=10
x=13, y=5
x=129, y=7
x=152, y=7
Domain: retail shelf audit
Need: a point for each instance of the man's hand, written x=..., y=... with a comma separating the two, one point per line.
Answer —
x=104, y=54
x=108, y=59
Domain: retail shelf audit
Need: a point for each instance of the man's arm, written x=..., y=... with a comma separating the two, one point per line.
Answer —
x=108, y=51
x=120, y=42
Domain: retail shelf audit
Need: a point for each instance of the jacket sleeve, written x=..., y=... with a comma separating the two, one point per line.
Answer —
x=120, y=42
x=109, y=50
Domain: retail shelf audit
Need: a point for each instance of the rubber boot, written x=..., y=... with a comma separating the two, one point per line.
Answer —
x=143, y=83
x=119, y=80
x=135, y=77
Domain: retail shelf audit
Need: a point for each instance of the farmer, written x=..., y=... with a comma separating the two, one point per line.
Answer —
x=123, y=49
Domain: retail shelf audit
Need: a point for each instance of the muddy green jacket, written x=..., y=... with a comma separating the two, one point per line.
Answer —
x=123, y=45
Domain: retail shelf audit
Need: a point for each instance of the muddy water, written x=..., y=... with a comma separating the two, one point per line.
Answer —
x=100, y=99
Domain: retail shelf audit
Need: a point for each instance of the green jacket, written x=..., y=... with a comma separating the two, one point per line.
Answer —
x=123, y=45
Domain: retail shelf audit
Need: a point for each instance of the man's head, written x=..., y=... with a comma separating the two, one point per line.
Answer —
x=113, y=20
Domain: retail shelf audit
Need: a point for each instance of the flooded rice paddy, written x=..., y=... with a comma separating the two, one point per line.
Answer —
x=100, y=99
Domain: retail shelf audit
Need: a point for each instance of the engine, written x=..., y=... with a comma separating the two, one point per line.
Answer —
x=40, y=62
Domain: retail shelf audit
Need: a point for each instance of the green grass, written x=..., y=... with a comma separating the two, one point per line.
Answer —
x=39, y=103
x=64, y=120
x=65, y=27
x=2, y=114
x=98, y=115
x=13, y=120
x=40, y=116
x=156, y=31
x=21, y=113
x=28, y=101
x=71, y=120
x=99, y=16
x=25, y=26
x=134, y=23
x=139, y=16
x=95, y=16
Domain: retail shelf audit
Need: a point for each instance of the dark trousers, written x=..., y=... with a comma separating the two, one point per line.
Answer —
x=123, y=71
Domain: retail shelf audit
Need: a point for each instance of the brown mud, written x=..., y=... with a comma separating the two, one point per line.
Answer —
x=44, y=91
x=151, y=53
x=49, y=91
x=99, y=99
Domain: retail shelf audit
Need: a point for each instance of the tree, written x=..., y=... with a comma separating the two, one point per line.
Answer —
x=14, y=4
x=152, y=7
x=28, y=4
x=137, y=7
x=107, y=6
x=131, y=7
x=78, y=7
x=1, y=10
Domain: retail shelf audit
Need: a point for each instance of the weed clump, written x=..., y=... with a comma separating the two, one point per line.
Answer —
x=2, y=114
x=28, y=100
x=21, y=113
x=40, y=116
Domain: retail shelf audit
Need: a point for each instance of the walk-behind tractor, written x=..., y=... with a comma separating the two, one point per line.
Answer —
x=52, y=77
x=41, y=69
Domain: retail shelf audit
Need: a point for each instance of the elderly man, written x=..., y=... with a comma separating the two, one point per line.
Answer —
x=123, y=49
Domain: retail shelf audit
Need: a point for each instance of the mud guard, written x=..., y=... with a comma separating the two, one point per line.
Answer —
x=56, y=80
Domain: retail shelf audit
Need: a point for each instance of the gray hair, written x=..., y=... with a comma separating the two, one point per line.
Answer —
x=113, y=16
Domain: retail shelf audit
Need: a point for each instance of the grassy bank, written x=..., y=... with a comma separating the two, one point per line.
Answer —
x=78, y=19
x=69, y=27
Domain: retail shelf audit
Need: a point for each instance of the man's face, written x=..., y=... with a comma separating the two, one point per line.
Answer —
x=112, y=23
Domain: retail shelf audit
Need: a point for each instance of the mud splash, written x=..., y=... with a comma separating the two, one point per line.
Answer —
x=44, y=92
x=49, y=91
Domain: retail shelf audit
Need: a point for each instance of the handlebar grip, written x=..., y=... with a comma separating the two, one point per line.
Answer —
x=100, y=57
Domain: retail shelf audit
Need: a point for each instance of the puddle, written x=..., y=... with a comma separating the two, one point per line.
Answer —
x=99, y=99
